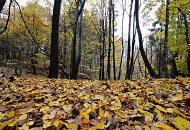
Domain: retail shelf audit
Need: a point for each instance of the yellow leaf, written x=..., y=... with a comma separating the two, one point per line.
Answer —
x=31, y=123
x=170, y=110
x=146, y=128
x=100, y=125
x=86, y=113
x=23, y=117
x=107, y=114
x=160, y=108
x=11, y=114
x=74, y=127
x=52, y=114
x=67, y=125
x=44, y=109
x=67, y=108
x=101, y=112
x=2, y=116
x=121, y=114
x=108, y=124
x=4, y=124
x=57, y=123
x=86, y=105
x=178, y=112
x=54, y=103
x=25, y=127
x=38, y=105
x=177, y=97
x=13, y=123
x=148, y=116
x=30, y=110
x=47, y=124
x=162, y=126
x=181, y=123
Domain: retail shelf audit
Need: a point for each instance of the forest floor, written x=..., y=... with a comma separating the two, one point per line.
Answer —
x=40, y=103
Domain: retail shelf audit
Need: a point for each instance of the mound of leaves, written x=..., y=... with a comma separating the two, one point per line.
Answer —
x=34, y=103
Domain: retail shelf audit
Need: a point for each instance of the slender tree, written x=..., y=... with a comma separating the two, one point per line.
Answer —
x=74, y=60
x=165, y=52
x=127, y=76
x=80, y=40
x=109, y=47
x=122, y=38
x=132, y=49
x=102, y=37
x=54, y=56
x=113, y=41
x=145, y=59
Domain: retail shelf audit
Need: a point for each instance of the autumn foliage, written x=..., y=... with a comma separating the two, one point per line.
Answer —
x=38, y=103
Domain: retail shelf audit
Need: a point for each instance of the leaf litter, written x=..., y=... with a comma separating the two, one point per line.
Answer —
x=36, y=103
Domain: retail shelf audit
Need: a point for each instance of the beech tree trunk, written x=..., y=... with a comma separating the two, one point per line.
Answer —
x=54, y=56
x=145, y=59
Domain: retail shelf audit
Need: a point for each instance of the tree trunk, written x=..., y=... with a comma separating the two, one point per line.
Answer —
x=74, y=61
x=165, y=52
x=109, y=47
x=113, y=41
x=103, y=50
x=80, y=42
x=132, y=49
x=54, y=56
x=127, y=76
x=145, y=59
x=122, y=44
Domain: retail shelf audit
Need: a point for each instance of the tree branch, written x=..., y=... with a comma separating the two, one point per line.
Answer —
x=7, y=22
x=27, y=28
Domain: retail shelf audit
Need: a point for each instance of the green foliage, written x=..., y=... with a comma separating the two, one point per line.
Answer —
x=177, y=40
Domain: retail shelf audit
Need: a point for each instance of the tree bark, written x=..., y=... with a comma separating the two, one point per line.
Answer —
x=80, y=42
x=54, y=56
x=127, y=76
x=74, y=61
x=109, y=47
x=165, y=51
x=132, y=49
x=113, y=41
x=145, y=59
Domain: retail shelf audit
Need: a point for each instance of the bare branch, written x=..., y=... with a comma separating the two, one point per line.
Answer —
x=7, y=22
x=27, y=28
